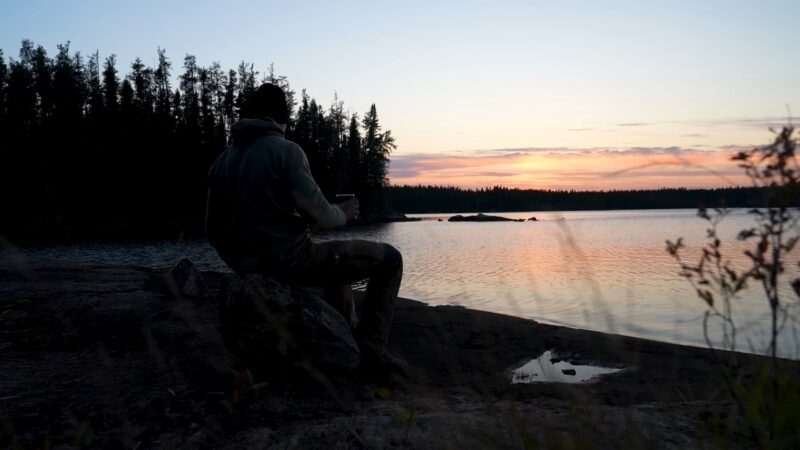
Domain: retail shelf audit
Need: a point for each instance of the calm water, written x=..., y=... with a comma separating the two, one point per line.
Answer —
x=602, y=270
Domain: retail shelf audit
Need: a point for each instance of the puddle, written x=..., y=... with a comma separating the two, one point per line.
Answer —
x=548, y=368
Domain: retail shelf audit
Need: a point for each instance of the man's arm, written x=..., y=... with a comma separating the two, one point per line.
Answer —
x=308, y=196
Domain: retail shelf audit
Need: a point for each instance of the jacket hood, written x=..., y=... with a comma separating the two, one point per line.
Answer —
x=246, y=131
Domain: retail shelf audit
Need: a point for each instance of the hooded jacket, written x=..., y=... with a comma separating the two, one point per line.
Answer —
x=257, y=189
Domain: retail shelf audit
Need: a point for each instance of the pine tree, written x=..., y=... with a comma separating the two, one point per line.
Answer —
x=355, y=175
x=219, y=81
x=377, y=147
x=177, y=109
x=68, y=88
x=338, y=146
x=96, y=100
x=17, y=169
x=111, y=85
x=81, y=86
x=43, y=83
x=21, y=94
x=127, y=103
x=206, y=82
x=229, y=102
x=163, y=109
x=6, y=148
x=282, y=82
x=191, y=98
x=3, y=90
x=247, y=83
x=142, y=79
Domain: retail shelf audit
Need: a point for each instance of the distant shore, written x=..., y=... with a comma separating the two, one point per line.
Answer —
x=101, y=354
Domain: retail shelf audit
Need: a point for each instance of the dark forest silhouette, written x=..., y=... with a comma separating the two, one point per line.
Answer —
x=88, y=153
x=437, y=199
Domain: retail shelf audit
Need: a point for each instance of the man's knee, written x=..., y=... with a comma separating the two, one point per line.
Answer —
x=392, y=257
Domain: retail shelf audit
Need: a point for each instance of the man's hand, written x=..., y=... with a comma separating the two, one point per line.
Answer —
x=350, y=208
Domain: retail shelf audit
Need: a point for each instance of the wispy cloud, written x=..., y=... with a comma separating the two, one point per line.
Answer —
x=579, y=168
x=762, y=123
x=632, y=124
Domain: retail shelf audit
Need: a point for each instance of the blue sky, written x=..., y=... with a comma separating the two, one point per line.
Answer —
x=458, y=78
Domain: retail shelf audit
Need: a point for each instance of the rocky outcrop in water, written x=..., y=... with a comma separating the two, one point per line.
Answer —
x=480, y=217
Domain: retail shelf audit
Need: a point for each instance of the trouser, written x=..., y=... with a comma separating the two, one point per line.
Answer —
x=335, y=265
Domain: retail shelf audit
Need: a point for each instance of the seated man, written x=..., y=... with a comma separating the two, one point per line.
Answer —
x=261, y=201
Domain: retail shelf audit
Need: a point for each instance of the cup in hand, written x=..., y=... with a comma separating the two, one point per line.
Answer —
x=349, y=205
x=341, y=198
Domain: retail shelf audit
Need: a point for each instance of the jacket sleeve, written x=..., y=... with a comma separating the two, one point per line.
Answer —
x=307, y=194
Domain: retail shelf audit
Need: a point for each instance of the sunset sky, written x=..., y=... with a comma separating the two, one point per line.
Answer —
x=572, y=95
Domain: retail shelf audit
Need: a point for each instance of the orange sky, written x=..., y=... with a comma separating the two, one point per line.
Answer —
x=581, y=169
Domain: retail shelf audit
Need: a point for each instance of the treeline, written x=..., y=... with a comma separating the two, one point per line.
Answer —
x=440, y=199
x=86, y=152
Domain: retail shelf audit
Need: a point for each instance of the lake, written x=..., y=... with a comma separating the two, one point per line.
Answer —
x=600, y=270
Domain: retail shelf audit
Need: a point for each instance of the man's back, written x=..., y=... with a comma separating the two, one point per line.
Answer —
x=256, y=188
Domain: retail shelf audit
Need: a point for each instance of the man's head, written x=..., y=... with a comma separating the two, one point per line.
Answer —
x=268, y=100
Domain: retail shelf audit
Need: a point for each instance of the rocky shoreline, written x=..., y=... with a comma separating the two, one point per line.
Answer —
x=103, y=357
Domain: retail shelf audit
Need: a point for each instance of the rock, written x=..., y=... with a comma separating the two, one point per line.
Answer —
x=480, y=217
x=533, y=219
x=184, y=280
x=264, y=320
x=568, y=371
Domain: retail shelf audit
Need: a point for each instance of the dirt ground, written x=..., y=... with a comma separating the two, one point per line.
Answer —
x=103, y=357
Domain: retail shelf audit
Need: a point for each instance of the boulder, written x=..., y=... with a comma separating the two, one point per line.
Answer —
x=533, y=219
x=184, y=280
x=264, y=321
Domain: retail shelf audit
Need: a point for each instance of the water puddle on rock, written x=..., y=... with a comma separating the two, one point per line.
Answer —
x=548, y=368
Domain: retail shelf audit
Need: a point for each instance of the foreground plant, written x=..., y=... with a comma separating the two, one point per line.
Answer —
x=768, y=402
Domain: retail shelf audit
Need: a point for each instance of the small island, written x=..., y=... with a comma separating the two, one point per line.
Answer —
x=481, y=217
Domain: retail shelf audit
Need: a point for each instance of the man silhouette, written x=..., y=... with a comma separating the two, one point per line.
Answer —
x=262, y=200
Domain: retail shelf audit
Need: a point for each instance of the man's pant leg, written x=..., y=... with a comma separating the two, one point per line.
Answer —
x=340, y=296
x=343, y=262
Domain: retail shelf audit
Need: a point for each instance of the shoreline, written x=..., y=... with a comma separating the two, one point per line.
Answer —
x=18, y=253
x=103, y=349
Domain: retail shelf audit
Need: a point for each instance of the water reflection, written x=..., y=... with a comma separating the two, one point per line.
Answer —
x=547, y=368
x=601, y=270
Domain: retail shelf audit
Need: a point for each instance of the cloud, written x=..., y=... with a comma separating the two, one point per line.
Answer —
x=407, y=173
x=579, y=168
x=580, y=129
x=496, y=174
x=695, y=135
x=655, y=151
x=632, y=124
x=762, y=123
x=524, y=150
